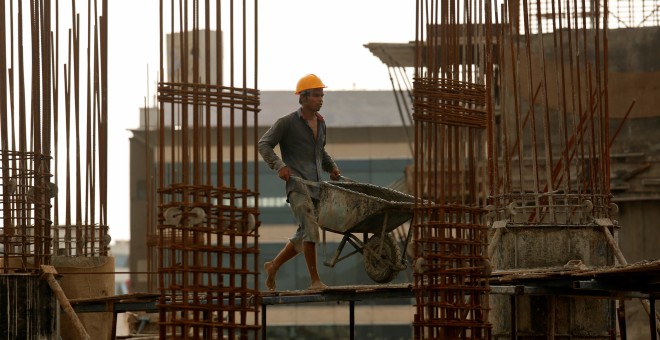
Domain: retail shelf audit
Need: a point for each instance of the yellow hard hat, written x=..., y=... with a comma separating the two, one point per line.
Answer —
x=307, y=82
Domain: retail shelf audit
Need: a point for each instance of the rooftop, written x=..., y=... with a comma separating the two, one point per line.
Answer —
x=340, y=109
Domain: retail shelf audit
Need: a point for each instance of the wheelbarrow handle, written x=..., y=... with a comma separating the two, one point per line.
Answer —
x=345, y=179
x=306, y=181
x=318, y=184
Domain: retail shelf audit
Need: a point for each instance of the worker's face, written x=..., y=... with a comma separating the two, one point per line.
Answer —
x=314, y=100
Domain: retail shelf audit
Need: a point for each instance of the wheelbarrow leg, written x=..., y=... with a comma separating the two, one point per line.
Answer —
x=354, y=241
x=335, y=258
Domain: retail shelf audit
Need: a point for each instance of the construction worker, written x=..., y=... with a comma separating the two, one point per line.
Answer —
x=301, y=137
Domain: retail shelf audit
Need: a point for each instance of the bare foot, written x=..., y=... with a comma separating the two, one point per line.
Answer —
x=317, y=285
x=270, y=275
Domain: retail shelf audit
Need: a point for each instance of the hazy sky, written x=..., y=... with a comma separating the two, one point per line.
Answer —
x=296, y=37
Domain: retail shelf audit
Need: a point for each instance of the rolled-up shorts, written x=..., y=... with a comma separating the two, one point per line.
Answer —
x=306, y=211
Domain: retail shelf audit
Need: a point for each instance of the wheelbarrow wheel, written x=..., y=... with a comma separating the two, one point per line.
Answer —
x=381, y=267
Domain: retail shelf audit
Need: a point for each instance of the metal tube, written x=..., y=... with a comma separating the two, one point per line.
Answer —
x=351, y=316
x=652, y=320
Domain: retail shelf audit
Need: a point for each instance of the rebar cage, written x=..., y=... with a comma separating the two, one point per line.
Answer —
x=25, y=211
x=452, y=110
x=204, y=237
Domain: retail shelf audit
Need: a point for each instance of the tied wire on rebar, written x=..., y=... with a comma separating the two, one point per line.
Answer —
x=203, y=213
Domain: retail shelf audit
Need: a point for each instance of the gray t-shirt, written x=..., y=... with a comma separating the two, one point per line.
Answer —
x=305, y=156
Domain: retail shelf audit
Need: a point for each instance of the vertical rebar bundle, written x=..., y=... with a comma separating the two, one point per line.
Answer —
x=452, y=108
x=206, y=243
x=33, y=108
x=551, y=160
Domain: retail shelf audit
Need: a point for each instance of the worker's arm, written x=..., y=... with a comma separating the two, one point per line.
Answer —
x=267, y=144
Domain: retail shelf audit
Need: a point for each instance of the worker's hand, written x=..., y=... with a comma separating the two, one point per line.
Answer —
x=335, y=174
x=284, y=173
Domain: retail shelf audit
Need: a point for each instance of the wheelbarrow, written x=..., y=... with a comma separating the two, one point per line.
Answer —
x=347, y=207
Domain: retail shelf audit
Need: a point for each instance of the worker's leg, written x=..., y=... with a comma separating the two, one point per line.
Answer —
x=309, y=249
x=287, y=253
x=305, y=209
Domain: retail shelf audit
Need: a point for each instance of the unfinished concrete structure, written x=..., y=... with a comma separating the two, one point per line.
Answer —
x=550, y=197
x=53, y=154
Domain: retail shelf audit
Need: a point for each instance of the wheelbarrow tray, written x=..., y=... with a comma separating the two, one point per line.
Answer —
x=353, y=207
